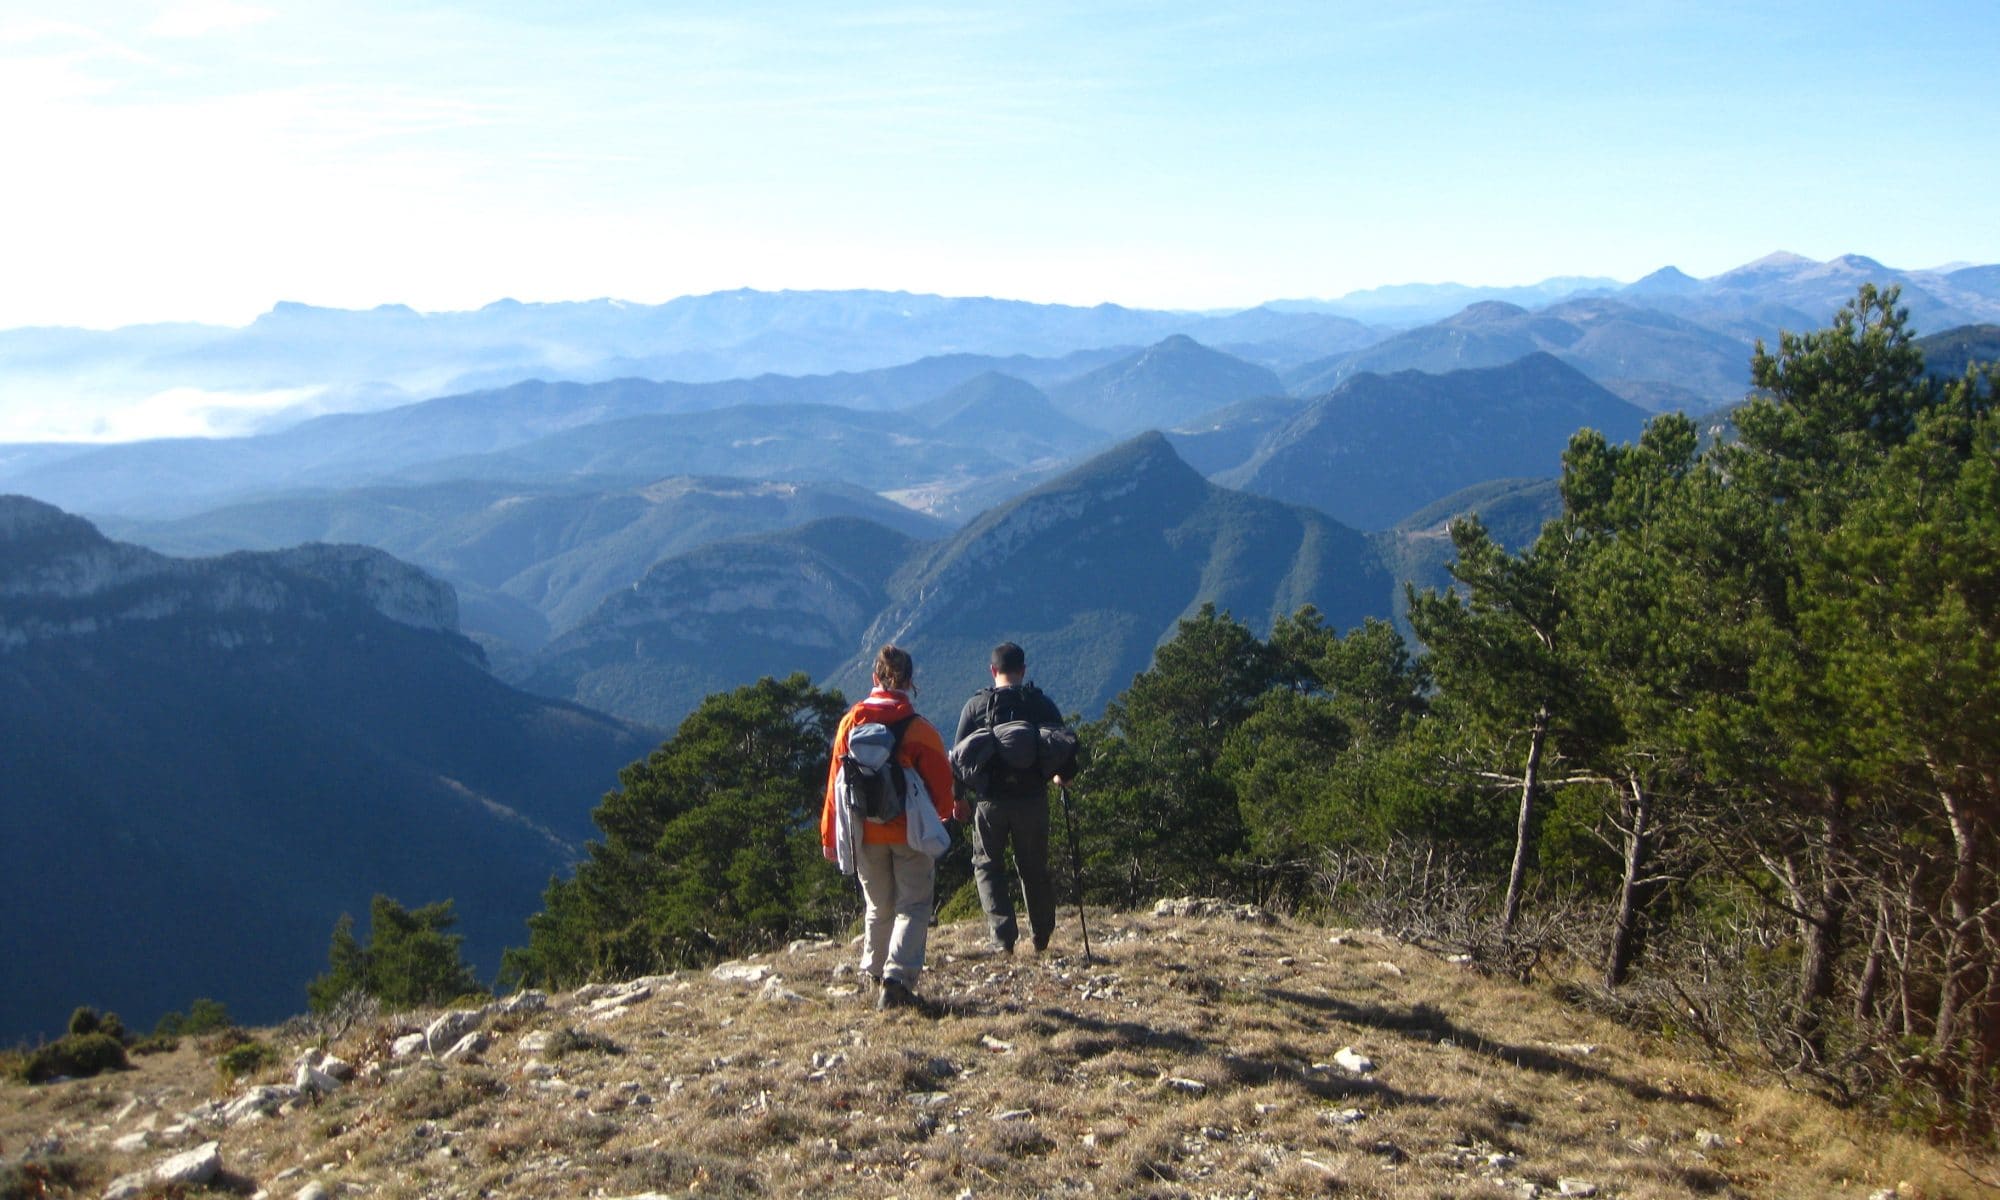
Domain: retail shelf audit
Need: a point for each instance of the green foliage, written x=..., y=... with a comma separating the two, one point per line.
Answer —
x=410, y=960
x=76, y=1056
x=245, y=1058
x=711, y=846
x=203, y=1016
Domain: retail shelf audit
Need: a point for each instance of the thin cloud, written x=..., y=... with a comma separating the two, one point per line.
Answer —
x=201, y=18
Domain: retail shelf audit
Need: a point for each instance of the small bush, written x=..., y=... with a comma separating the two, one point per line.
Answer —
x=76, y=1057
x=203, y=1016
x=156, y=1044
x=83, y=1021
x=570, y=1041
x=245, y=1059
x=962, y=906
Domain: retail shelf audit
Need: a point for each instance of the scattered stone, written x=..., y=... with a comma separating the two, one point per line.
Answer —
x=1501, y=1162
x=809, y=946
x=1188, y=906
x=928, y=1099
x=530, y=1000
x=467, y=1048
x=314, y=1081
x=1341, y=939
x=131, y=1106
x=255, y=1103
x=128, y=1187
x=1708, y=1139
x=1015, y=1114
x=313, y=1191
x=846, y=970
x=775, y=992
x=621, y=997
x=1215, y=1133
x=194, y=1167
x=1265, y=1110
x=1346, y=1116
x=1459, y=959
x=537, y=1042
x=448, y=1029
x=409, y=1045
x=1882, y=1194
x=1644, y=1144
x=1351, y=1060
x=1193, y=1087
x=739, y=971
x=132, y=1143
x=1576, y=1187
x=1581, y=1049
x=995, y=1044
x=1389, y=968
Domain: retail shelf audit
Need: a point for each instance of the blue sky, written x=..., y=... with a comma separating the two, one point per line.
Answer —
x=206, y=158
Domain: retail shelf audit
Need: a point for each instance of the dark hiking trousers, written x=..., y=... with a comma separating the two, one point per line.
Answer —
x=1023, y=823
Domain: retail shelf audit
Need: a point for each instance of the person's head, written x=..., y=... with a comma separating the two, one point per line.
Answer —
x=1010, y=663
x=893, y=668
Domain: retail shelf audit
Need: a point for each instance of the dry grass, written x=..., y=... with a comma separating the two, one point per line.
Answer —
x=1192, y=1059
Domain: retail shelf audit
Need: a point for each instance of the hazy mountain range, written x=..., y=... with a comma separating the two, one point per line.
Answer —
x=205, y=762
x=297, y=361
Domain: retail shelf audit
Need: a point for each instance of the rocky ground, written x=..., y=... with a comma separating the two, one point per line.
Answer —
x=1204, y=1050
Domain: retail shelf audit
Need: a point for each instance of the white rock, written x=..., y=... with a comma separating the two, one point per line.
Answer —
x=128, y=1187
x=995, y=1044
x=775, y=992
x=1708, y=1139
x=928, y=1099
x=809, y=946
x=1346, y=1116
x=1576, y=1187
x=1501, y=1161
x=1193, y=1087
x=257, y=1102
x=313, y=1191
x=536, y=1042
x=529, y=1001
x=132, y=1143
x=311, y=1080
x=741, y=972
x=196, y=1166
x=131, y=1106
x=448, y=1029
x=1389, y=968
x=467, y=1048
x=1352, y=1060
x=339, y=1068
x=1015, y=1114
x=407, y=1045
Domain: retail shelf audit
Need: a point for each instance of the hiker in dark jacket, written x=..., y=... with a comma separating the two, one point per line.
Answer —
x=1015, y=809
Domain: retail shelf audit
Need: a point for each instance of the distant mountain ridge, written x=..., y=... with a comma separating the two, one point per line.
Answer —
x=204, y=762
x=1379, y=447
x=1090, y=570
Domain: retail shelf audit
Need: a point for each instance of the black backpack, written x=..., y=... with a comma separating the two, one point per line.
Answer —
x=1026, y=753
x=874, y=778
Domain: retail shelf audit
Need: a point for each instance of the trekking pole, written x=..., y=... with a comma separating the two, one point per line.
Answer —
x=1076, y=859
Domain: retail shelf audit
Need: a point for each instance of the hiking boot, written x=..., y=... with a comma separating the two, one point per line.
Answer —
x=894, y=994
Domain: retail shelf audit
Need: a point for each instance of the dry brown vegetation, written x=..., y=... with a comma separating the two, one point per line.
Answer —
x=1192, y=1057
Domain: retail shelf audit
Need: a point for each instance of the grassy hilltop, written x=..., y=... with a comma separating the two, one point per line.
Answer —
x=1197, y=1055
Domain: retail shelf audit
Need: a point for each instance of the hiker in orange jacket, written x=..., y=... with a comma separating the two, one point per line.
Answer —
x=897, y=880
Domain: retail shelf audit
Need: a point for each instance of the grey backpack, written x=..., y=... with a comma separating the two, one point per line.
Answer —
x=876, y=783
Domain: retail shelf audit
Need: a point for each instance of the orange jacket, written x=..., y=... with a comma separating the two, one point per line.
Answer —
x=922, y=749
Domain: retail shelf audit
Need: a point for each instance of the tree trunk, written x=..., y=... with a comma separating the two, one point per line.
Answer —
x=1960, y=963
x=1825, y=920
x=1636, y=806
x=1871, y=973
x=1510, y=911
